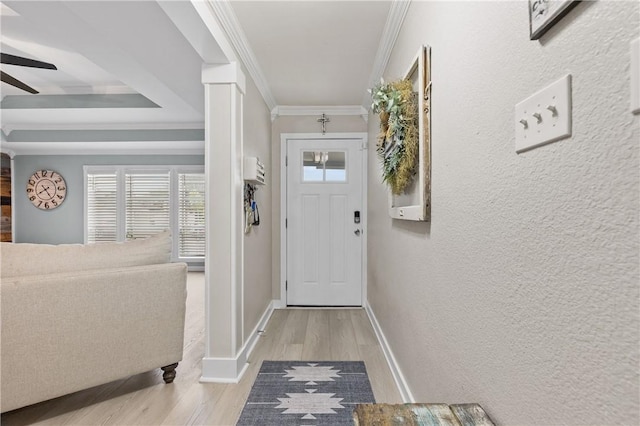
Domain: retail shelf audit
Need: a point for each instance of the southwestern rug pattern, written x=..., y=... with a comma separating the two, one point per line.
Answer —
x=306, y=393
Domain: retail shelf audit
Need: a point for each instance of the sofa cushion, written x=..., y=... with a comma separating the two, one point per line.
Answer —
x=23, y=259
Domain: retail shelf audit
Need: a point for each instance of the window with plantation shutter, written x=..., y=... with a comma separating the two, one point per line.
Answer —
x=191, y=241
x=102, y=208
x=129, y=202
x=147, y=204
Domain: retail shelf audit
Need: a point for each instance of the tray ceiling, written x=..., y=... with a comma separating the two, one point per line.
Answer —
x=136, y=65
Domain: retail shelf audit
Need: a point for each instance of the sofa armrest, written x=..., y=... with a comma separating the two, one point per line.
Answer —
x=70, y=331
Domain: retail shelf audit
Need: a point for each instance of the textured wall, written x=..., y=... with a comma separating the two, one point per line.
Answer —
x=297, y=124
x=65, y=224
x=522, y=294
x=257, y=244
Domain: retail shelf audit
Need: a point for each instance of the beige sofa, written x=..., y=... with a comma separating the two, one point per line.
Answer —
x=76, y=316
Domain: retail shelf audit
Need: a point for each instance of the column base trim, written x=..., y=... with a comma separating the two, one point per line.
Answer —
x=231, y=370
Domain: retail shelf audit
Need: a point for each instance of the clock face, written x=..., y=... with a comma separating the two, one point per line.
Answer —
x=46, y=189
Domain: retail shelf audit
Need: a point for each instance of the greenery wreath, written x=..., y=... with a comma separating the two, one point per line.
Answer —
x=398, y=141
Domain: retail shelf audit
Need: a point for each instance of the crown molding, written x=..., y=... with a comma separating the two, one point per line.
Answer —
x=392, y=27
x=283, y=110
x=223, y=11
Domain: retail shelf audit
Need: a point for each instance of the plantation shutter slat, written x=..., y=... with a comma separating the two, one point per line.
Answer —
x=147, y=204
x=191, y=242
x=102, y=208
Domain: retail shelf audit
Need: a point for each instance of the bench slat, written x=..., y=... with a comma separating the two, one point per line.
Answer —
x=420, y=415
x=471, y=415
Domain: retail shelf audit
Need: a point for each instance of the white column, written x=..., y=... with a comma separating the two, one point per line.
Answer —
x=224, y=359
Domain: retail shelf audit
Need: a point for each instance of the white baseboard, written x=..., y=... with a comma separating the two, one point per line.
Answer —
x=259, y=328
x=401, y=383
x=231, y=370
x=222, y=370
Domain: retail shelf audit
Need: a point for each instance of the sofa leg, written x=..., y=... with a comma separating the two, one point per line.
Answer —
x=169, y=372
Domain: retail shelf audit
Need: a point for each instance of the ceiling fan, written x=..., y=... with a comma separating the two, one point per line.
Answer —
x=5, y=58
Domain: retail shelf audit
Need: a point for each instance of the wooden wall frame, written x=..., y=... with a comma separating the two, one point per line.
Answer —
x=7, y=224
x=415, y=203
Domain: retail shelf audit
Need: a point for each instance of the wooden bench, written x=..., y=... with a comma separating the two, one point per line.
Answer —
x=420, y=415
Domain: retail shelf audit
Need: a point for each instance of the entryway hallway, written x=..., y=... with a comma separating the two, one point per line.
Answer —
x=144, y=399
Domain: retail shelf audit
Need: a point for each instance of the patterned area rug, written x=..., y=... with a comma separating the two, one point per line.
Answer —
x=306, y=393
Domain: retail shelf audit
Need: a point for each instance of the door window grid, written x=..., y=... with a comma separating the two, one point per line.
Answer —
x=324, y=166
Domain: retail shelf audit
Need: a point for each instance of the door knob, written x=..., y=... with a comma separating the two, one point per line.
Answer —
x=357, y=232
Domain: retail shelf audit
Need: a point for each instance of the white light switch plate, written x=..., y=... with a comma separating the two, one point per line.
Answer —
x=635, y=76
x=544, y=116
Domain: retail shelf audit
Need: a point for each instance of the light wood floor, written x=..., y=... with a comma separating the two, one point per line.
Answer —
x=144, y=399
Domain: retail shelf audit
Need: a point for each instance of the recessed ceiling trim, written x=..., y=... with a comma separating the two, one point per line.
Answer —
x=232, y=28
x=105, y=148
x=64, y=21
x=282, y=110
x=79, y=136
x=8, y=128
x=392, y=27
x=128, y=100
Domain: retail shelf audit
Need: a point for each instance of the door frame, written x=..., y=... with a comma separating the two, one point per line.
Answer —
x=357, y=137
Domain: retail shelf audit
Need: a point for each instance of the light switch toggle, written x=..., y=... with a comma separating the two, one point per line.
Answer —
x=537, y=116
x=551, y=108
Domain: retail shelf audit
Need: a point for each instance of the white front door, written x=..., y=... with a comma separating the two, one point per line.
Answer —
x=324, y=222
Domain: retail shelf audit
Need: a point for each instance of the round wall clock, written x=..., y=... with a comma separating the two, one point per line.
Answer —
x=46, y=189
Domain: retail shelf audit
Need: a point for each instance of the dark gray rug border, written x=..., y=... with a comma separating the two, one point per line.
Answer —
x=352, y=388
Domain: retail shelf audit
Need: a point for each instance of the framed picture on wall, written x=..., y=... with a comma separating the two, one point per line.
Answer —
x=543, y=14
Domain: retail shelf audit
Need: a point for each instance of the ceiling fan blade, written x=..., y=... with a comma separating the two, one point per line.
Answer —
x=16, y=83
x=5, y=58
